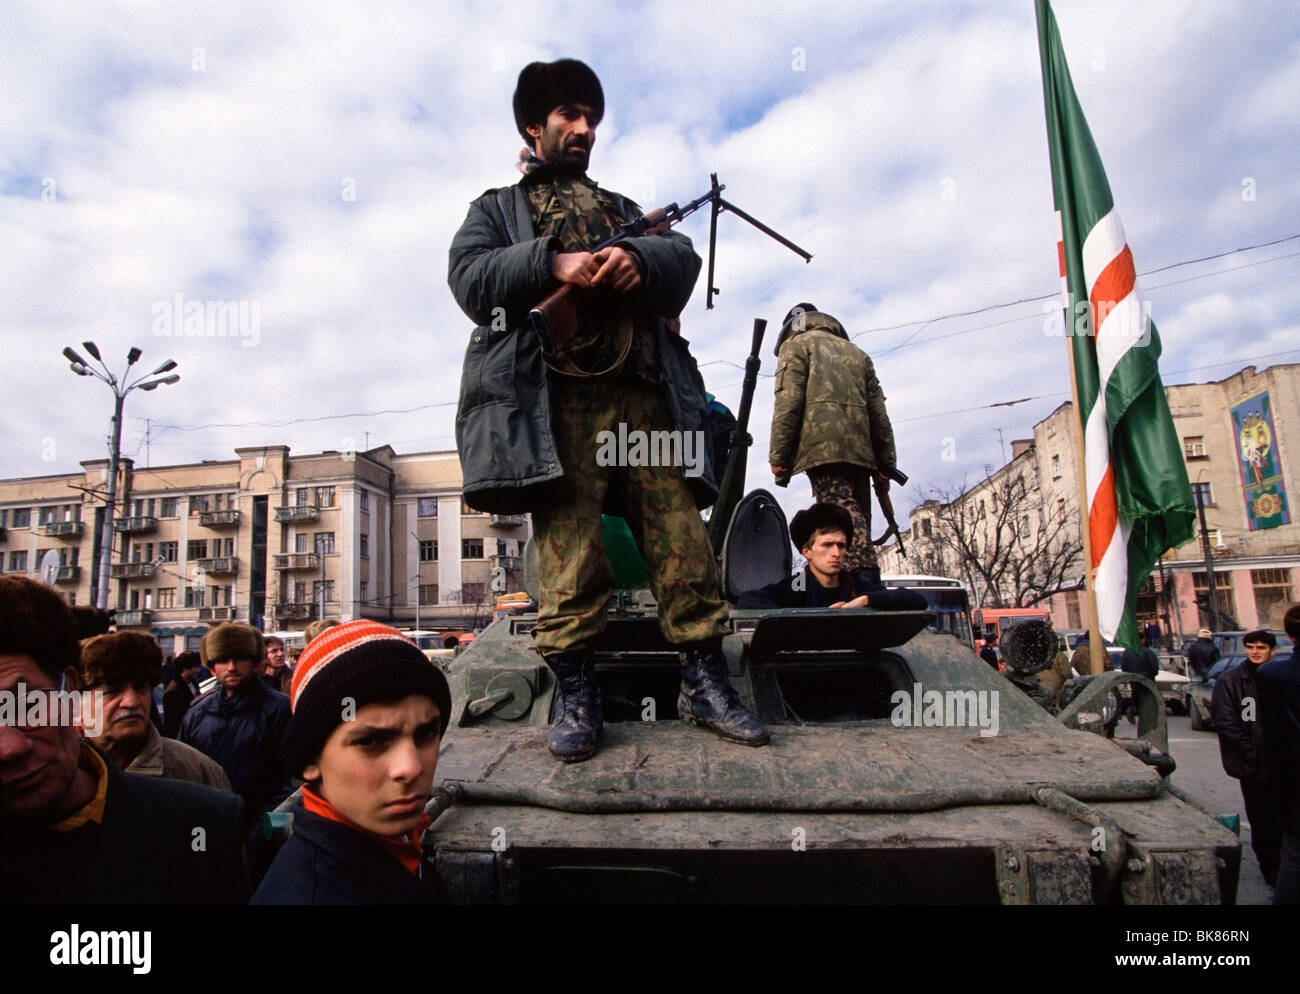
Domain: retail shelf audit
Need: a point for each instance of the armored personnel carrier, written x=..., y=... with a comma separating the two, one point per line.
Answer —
x=901, y=769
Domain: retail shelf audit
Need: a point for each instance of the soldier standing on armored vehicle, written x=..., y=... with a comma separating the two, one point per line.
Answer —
x=527, y=426
x=829, y=421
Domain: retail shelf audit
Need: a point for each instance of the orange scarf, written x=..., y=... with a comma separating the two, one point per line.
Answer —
x=407, y=850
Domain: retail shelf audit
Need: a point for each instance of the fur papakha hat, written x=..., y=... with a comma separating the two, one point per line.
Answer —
x=231, y=640
x=820, y=515
x=120, y=659
x=543, y=86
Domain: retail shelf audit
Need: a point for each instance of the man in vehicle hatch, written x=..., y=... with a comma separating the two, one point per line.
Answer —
x=823, y=534
x=527, y=427
x=829, y=421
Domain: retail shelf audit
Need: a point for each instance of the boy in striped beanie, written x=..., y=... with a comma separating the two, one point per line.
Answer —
x=369, y=710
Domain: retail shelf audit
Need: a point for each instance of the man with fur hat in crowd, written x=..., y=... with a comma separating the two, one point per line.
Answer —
x=823, y=534
x=369, y=711
x=76, y=829
x=126, y=667
x=527, y=427
x=241, y=722
x=829, y=421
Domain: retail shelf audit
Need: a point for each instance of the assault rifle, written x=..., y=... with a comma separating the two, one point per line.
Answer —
x=887, y=504
x=555, y=318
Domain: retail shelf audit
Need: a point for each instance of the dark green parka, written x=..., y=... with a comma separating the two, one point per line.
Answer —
x=498, y=270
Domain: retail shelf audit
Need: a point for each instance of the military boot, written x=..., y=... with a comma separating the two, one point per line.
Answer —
x=577, y=707
x=708, y=699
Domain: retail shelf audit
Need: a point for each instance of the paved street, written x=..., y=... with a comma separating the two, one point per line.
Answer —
x=1201, y=776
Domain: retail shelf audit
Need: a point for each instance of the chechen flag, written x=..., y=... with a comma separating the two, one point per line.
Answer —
x=1139, y=500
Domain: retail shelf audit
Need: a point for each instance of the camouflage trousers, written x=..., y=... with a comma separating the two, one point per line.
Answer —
x=850, y=488
x=576, y=579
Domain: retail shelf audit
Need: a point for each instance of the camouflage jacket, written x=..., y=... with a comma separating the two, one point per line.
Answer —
x=829, y=407
x=497, y=270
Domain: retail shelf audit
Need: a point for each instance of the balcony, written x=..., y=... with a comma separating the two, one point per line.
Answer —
x=130, y=571
x=295, y=611
x=132, y=619
x=68, y=574
x=219, y=565
x=65, y=529
x=297, y=560
x=298, y=512
x=506, y=562
x=217, y=613
x=223, y=519
x=135, y=526
x=506, y=520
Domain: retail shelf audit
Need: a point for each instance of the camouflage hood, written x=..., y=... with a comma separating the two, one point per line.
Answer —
x=808, y=321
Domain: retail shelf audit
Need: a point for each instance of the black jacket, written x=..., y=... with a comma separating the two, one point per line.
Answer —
x=149, y=850
x=176, y=701
x=1241, y=742
x=1201, y=655
x=325, y=862
x=244, y=733
x=783, y=594
x=1146, y=663
x=1278, y=681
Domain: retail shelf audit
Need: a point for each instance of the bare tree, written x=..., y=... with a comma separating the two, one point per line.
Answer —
x=472, y=595
x=1013, y=548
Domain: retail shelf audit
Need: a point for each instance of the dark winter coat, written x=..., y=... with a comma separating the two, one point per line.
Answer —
x=326, y=862
x=1278, y=681
x=1241, y=742
x=176, y=701
x=145, y=851
x=783, y=594
x=498, y=270
x=244, y=734
x=1201, y=655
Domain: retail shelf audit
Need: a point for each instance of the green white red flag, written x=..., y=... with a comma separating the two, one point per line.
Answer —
x=1139, y=499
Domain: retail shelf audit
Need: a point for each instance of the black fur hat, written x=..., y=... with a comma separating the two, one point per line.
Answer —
x=543, y=86
x=820, y=515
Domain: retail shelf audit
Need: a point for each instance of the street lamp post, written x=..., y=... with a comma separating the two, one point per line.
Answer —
x=1212, y=600
x=120, y=389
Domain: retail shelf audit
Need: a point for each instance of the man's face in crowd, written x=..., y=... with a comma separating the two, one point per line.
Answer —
x=231, y=673
x=825, y=554
x=274, y=658
x=37, y=765
x=377, y=770
x=126, y=714
x=190, y=674
x=565, y=140
x=1259, y=653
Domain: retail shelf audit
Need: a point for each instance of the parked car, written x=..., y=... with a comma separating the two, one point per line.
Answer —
x=1196, y=693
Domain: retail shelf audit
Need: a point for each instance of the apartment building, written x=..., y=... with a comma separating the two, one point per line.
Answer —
x=1240, y=441
x=274, y=539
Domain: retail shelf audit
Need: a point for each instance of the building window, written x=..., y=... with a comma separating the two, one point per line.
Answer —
x=471, y=548
x=18, y=562
x=22, y=517
x=925, y=527
x=300, y=496
x=228, y=548
x=325, y=587
x=325, y=543
x=300, y=592
x=1201, y=493
x=169, y=507
x=916, y=530
x=300, y=542
x=1272, y=595
x=141, y=552
x=428, y=594
x=473, y=593
x=46, y=515
x=365, y=500
x=198, y=503
x=365, y=546
x=1224, y=595
x=427, y=507
x=365, y=587
x=4, y=517
x=1056, y=467
x=196, y=548
x=501, y=547
x=194, y=596
x=429, y=551
x=324, y=496
x=1194, y=447
x=169, y=551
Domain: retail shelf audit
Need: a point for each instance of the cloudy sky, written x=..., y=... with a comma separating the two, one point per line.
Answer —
x=312, y=162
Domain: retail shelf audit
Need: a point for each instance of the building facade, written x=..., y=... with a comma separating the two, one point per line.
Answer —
x=1240, y=441
x=269, y=538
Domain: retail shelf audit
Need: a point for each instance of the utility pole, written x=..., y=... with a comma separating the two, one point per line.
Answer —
x=1212, y=601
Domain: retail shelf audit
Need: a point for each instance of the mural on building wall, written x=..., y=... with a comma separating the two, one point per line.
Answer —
x=1260, y=463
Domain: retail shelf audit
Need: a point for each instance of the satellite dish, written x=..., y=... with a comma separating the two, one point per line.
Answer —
x=50, y=564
